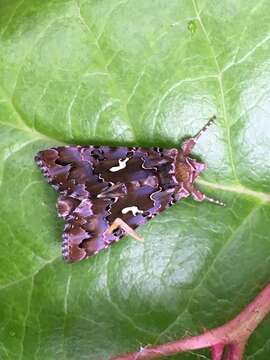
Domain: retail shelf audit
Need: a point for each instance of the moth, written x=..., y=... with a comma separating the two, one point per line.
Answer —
x=106, y=192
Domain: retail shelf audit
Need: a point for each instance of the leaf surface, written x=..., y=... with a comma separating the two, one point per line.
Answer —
x=142, y=73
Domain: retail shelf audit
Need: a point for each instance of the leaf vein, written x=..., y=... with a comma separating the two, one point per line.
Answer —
x=220, y=83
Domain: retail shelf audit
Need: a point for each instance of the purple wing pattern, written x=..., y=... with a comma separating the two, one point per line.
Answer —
x=94, y=192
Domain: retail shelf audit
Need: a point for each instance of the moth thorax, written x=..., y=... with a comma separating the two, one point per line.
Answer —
x=182, y=171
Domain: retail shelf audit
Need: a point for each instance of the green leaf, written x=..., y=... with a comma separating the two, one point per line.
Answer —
x=146, y=73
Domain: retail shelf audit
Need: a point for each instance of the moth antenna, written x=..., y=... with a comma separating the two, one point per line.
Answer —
x=191, y=142
x=199, y=196
x=214, y=201
x=210, y=122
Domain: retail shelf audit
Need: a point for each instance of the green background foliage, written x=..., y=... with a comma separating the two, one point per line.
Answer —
x=146, y=73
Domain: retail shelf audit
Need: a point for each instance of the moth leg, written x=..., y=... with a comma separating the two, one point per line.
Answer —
x=199, y=196
x=191, y=142
x=118, y=222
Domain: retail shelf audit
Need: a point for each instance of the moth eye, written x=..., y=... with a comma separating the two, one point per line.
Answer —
x=99, y=180
x=129, y=153
x=110, y=184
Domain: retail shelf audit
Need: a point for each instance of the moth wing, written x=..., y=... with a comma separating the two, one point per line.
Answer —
x=85, y=225
x=97, y=185
x=66, y=169
x=149, y=182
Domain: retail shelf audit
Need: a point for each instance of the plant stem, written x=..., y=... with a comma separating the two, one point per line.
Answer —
x=230, y=337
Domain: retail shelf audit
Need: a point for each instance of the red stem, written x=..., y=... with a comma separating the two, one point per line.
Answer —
x=233, y=335
x=217, y=351
x=235, y=351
